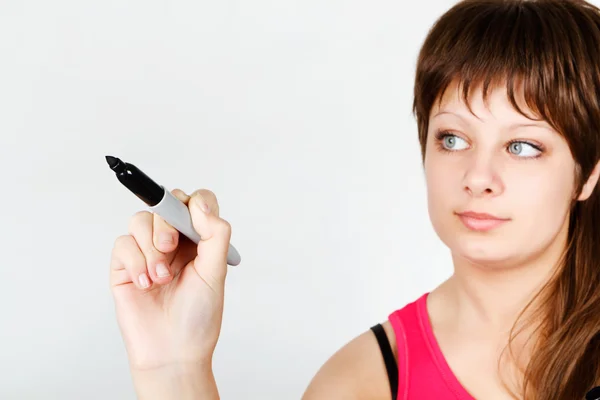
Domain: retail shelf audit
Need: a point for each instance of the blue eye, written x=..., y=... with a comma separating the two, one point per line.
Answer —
x=518, y=148
x=450, y=142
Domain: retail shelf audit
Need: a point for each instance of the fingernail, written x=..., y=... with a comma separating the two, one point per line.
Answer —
x=162, y=270
x=144, y=281
x=165, y=238
x=203, y=206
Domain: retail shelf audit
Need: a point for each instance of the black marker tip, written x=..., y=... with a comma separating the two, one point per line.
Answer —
x=112, y=161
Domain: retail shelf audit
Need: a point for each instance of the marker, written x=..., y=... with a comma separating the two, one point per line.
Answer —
x=161, y=202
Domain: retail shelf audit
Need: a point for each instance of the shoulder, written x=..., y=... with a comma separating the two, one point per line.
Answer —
x=355, y=372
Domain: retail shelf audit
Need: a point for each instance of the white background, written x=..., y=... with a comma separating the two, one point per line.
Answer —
x=296, y=113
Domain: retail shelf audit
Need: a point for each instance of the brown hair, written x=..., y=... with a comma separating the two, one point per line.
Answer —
x=550, y=50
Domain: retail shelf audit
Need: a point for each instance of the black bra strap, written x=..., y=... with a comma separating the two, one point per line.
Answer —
x=388, y=358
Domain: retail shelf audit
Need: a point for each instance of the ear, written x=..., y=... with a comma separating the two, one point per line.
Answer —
x=589, y=186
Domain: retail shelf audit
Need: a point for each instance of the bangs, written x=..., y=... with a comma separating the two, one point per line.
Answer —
x=527, y=46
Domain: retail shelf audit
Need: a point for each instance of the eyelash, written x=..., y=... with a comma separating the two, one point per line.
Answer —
x=441, y=135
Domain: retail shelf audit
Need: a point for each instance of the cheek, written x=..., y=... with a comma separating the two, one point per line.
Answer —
x=442, y=184
x=540, y=200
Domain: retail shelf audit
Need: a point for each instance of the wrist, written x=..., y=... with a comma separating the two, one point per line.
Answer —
x=181, y=381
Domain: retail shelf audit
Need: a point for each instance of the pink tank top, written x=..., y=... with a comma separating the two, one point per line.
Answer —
x=423, y=371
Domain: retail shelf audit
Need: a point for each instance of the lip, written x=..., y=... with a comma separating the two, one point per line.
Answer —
x=480, y=222
x=476, y=215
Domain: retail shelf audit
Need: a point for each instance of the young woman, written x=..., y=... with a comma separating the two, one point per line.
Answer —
x=507, y=100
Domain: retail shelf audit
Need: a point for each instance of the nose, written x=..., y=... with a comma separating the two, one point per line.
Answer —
x=481, y=177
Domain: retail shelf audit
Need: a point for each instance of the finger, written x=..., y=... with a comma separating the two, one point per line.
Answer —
x=181, y=195
x=141, y=228
x=165, y=237
x=209, y=198
x=128, y=264
x=215, y=233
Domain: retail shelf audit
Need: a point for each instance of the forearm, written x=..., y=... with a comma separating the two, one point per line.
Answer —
x=190, y=382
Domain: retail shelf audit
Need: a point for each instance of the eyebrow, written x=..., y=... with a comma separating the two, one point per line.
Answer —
x=512, y=126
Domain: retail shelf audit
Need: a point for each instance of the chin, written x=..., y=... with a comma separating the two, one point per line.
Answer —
x=477, y=248
x=484, y=251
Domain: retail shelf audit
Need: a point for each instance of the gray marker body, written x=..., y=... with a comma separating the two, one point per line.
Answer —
x=177, y=214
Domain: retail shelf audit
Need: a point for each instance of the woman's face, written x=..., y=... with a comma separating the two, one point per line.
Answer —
x=521, y=175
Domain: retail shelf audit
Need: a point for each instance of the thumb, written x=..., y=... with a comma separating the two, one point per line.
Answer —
x=215, y=234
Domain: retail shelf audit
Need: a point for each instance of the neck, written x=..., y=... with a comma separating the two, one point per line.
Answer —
x=489, y=298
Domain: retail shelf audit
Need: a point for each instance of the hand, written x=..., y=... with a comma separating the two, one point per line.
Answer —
x=171, y=316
